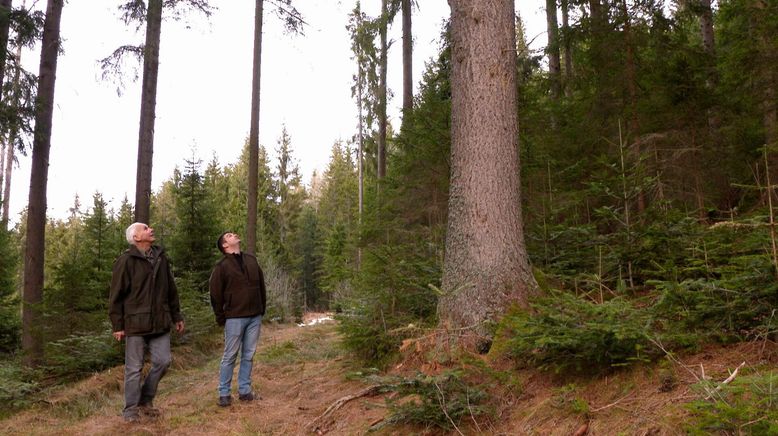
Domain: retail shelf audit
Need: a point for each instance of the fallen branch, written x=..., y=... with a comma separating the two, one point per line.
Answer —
x=370, y=390
x=729, y=379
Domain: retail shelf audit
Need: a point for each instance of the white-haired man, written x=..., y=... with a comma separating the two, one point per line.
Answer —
x=142, y=306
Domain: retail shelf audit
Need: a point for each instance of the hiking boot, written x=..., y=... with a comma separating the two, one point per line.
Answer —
x=225, y=401
x=133, y=418
x=149, y=410
x=248, y=397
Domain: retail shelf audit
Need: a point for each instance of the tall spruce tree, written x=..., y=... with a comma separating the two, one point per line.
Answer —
x=32, y=296
x=486, y=266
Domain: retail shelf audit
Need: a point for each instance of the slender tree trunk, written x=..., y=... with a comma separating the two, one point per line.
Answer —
x=407, y=59
x=32, y=292
x=568, y=53
x=709, y=44
x=360, y=170
x=251, y=225
x=382, y=91
x=148, y=105
x=9, y=153
x=552, y=50
x=5, y=25
x=486, y=267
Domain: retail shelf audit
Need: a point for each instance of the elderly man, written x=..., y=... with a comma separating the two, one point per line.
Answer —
x=143, y=304
x=238, y=298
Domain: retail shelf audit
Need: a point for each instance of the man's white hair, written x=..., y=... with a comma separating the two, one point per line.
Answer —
x=130, y=232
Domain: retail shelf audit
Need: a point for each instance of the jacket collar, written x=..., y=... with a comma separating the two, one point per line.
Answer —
x=134, y=251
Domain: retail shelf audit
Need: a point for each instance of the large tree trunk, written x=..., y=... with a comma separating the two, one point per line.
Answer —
x=32, y=294
x=382, y=91
x=251, y=225
x=407, y=59
x=552, y=50
x=486, y=266
x=148, y=107
x=5, y=25
x=9, y=152
x=706, y=28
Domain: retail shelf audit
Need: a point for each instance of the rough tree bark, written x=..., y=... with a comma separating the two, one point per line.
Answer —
x=10, y=151
x=32, y=292
x=5, y=25
x=552, y=50
x=407, y=58
x=148, y=107
x=251, y=225
x=568, y=53
x=486, y=266
x=382, y=66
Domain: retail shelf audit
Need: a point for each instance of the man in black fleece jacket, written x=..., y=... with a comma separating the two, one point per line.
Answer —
x=238, y=299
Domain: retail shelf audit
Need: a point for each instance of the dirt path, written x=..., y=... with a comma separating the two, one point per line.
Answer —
x=298, y=372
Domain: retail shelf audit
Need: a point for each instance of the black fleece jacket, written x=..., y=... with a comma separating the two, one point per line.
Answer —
x=237, y=290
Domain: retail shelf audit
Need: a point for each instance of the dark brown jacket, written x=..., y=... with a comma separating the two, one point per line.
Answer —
x=144, y=298
x=237, y=292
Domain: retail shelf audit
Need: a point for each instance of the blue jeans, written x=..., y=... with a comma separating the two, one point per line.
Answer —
x=134, y=348
x=240, y=333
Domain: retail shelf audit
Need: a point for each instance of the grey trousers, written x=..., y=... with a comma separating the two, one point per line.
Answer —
x=135, y=392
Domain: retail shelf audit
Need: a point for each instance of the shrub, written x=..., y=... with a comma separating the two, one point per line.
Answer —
x=565, y=332
x=747, y=405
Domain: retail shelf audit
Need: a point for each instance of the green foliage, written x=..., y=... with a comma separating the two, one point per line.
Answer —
x=9, y=297
x=748, y=405
x=192, y=242
x=15, y=386
x=442, y=401
x=79, y=355
x=566, y=332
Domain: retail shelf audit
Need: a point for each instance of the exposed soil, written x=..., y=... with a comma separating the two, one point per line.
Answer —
x=300, y=372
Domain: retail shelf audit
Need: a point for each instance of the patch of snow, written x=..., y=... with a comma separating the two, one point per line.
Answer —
x=315, y=321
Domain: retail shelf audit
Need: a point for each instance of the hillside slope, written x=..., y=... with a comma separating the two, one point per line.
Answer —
x=301, y=371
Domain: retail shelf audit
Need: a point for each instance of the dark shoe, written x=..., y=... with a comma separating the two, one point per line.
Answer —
x=132, y=418
x=248, y=397
x=149, y=410
x=225, y=401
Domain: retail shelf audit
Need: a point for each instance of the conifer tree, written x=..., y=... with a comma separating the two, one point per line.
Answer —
x=486, y=266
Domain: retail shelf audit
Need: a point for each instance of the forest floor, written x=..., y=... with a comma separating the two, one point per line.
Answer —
x=300, y=371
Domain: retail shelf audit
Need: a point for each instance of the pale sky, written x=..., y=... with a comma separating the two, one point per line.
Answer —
x=204, y=91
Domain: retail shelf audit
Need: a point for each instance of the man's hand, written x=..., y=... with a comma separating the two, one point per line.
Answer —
x=118, y=335
x=180, y=326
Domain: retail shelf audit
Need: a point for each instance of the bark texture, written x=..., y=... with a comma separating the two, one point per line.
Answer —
x=486, y=267
x=10, y=150
x=552, y=50
x=5, y=22
x=253, y=189
x=407, y=58
x=568, y=52
x=148, y=107
x=382, y=90
x=32, y=293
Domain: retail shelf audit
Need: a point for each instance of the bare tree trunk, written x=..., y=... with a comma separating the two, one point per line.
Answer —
x=148, y=105
x=360, y=169
x=554, y=67
x=9, y=153
x=486, y=267
x=407, y=58
x=382, y=91
x=706, y=28
x=32, y=293
x=567, y=45
x=251, y=225
x=5, y=25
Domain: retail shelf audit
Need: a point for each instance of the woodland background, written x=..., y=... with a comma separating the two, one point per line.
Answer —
x=647, y=140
